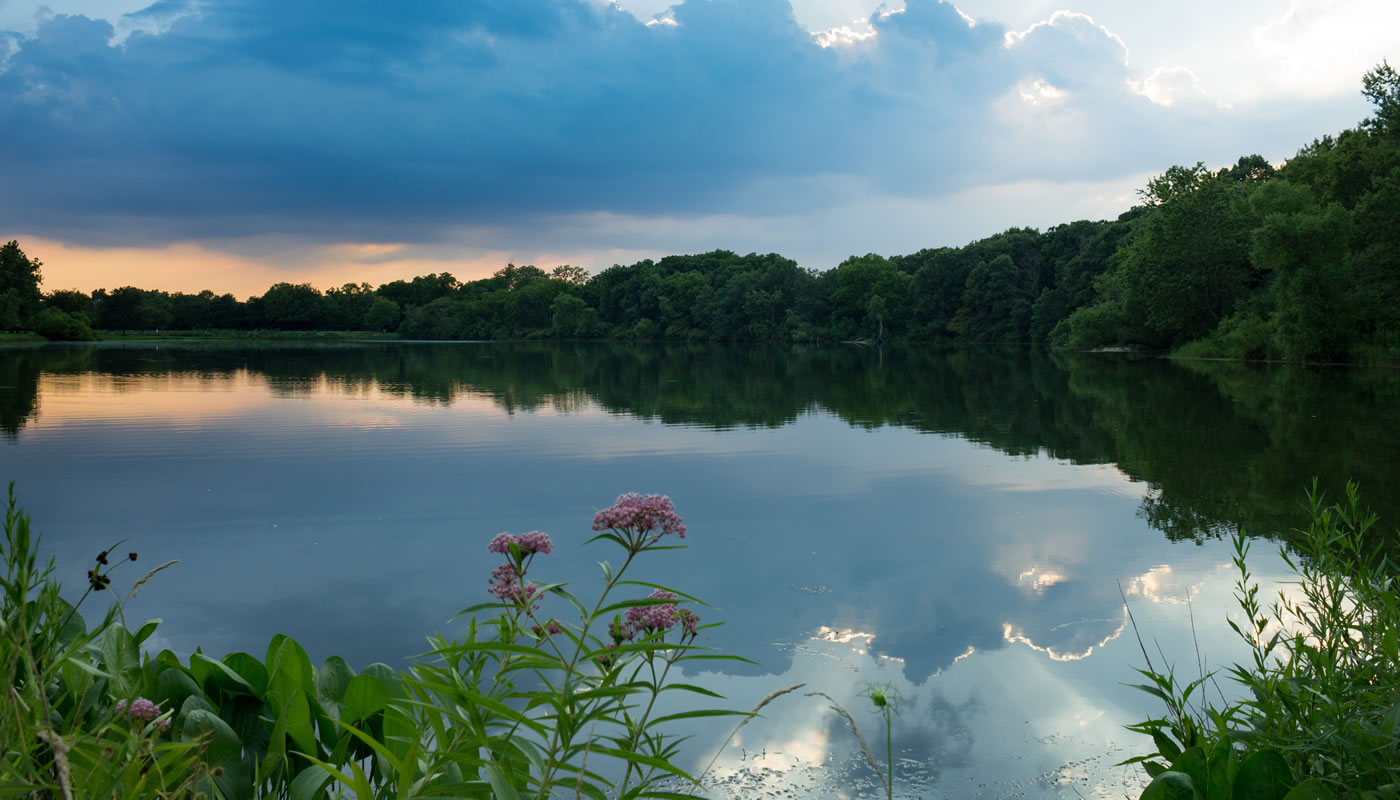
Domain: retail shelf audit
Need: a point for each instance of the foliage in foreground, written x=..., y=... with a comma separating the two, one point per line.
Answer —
x=1320, y=710
x=525, y=705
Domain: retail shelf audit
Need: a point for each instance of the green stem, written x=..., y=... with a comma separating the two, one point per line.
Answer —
x=556, y=746
x=889, y=754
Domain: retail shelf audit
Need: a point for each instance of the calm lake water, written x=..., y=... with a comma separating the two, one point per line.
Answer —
x=957, y=523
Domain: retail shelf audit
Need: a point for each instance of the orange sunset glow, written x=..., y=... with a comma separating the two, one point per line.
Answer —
x=191, y=268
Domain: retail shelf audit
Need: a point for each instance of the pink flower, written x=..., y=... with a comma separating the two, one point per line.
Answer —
x=689, y=620
x=536, y=542
x=550, y=629
x=654, y=618
x=138, y=709
x=506, y=585
x=632, y=512
x=526, y=543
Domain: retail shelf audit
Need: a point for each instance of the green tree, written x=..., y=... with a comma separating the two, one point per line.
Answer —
x=19, y=286
x=295, y=306
x=574, y=276
x=382, y=315
x=571, y=316
x=1305, y=245
x=996, y=303
x=854, y=283
x=53, y=324
x=133, y=309
x=1381, y=85
x=1188, y=264
x=70, y=301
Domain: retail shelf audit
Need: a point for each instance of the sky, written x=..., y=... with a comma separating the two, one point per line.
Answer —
x=232, y=144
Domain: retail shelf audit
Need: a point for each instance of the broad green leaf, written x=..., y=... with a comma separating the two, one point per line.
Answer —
x=222, y=741
x=365, y=696
x=1263, y=775
x=1310, y=789
x=387, y=676
x=122, y=658
x=308, y=783
x=1170, y=785
x=73, y=625
x=285, y=656
x=331, y=680
x=250, y=669
x=1220, y=769
x=217, y=678
x=1193, y=763
x=297, y=713
x=173, y=685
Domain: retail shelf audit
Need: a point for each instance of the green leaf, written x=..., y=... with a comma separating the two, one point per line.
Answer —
x=286, y=657
x=73, y=625
x=365, y=696
x=1193, y=763
x=251, y=670
x=387, y=676
x=331, y=681
x=1170, y=785
x=687, y=687
x=217, y=678
x=223, y=742
x=499, y=785
x=1310, y=789
x=1220, y=769
x=1165, y=746
x=173, y=685
x=694, y=714
x=146, y=630
x=122, y=658
x=309, y=782
x=297, y=715
x=1264, y=775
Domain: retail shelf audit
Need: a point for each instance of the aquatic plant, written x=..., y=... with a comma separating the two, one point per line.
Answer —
x=1321, y=693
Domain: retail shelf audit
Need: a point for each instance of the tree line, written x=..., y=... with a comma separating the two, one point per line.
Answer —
x=1299, y=262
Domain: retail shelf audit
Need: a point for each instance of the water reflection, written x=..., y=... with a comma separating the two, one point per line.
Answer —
x=1217, y=446
x=956, y=523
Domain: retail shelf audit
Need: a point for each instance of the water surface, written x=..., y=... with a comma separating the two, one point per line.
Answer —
x=957, y=523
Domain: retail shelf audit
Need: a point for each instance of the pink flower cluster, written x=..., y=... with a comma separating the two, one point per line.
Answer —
x=140, y=709
x=552, y=628
x=653, y=513
x=654, y=618
x=526, y=543
x=506, y=584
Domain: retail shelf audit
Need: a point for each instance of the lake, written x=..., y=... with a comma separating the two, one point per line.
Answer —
x=963, y=524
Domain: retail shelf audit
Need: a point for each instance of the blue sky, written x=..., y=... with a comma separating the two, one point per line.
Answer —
x=196, y=143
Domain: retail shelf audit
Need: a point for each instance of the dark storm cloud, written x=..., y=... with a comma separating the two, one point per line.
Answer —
x=368, y=119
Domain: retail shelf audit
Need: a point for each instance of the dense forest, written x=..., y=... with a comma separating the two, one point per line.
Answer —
x=1299, y=262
